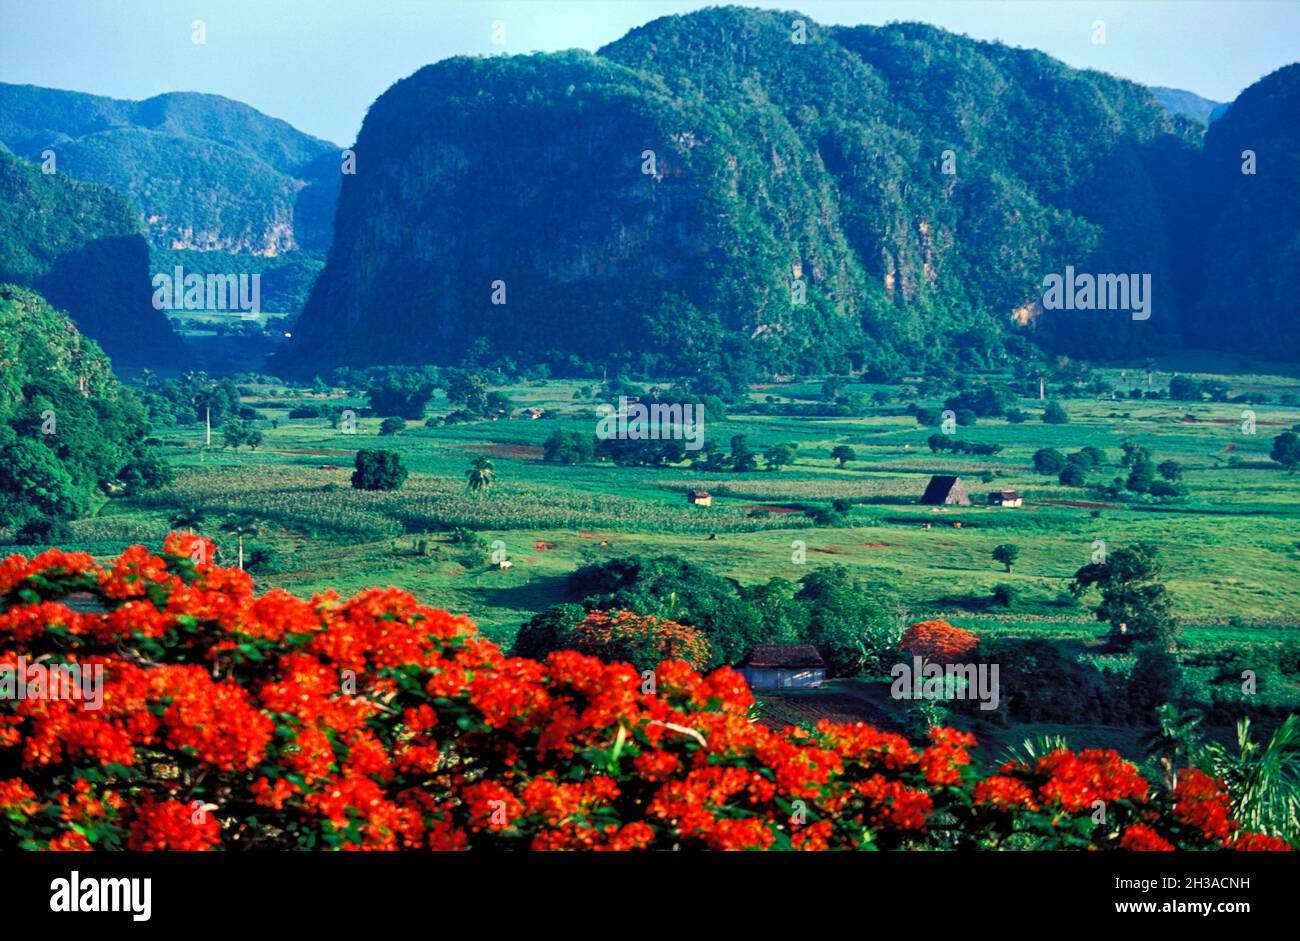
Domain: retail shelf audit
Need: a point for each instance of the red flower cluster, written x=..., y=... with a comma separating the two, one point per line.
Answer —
x=938, y=641
x=378, y=723
x=639, y=639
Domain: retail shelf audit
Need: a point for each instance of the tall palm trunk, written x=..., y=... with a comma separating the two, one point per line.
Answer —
x=207, y=420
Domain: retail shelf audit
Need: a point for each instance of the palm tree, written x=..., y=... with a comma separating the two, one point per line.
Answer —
x=203, y=394
x=240, y=526
x=1263, y=781
x=188, y=518
x=1177, y=742
x=480, y=475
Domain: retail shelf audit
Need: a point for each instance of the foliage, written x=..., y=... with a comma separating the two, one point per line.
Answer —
x=938, y=640
x=433, y=740
x=1007, y=553
x=69, y=433
x=1134, y=601
x=615, y=636
x=378, y=470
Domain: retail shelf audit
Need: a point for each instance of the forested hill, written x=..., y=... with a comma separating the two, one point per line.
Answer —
x=69, y=432
x=80, y=245
x=204, y=172
x=1248, y=280
x=1189, y=104
x=918, y=184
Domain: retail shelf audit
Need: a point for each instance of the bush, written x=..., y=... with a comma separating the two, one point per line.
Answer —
x=1040, y=683
x=1073, y=475
x=354, y=725
x=1049, y=461
x=1054, y=414
x=1005, y=595
x=378, y=470
x=938, y=641
x=391, y=426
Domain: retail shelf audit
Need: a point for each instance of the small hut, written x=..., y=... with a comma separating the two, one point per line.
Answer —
x=699, y=498
x=784, y=666
x=945, y=491
x=1005, y=498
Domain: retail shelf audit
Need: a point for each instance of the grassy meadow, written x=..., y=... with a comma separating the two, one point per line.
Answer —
x=1230, y=548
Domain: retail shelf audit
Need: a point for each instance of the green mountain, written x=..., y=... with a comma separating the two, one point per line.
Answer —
x=80, y=245
x=1188, y=104
x=69, y=433
x=1248, y=279
x=203, y=171
x=867, y=193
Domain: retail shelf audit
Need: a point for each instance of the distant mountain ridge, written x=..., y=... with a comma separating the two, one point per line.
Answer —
x=1189, y=104
x=204, y=171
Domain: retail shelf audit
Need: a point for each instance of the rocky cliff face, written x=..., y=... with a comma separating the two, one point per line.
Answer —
x=204, y=172
x=709, y=191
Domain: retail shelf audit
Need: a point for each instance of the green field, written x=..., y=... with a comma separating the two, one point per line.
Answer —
x=1231, y=547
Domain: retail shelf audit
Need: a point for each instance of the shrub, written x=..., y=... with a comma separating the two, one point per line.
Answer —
x=1049, y=461
x=378, y=470
x=380, y=723
x=391, y=426
x=1054, y=414
x=939, y=641
x=1005, y=595
x=642, y=640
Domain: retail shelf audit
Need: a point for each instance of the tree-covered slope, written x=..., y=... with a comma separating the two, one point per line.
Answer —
x=1248, y=281
x=79, y=244
x=865, y=193
x=69, y=433
x=204, y=172
x=1189, y=104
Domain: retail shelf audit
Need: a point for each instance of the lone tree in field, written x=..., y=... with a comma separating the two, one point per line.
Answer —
x=1007, y=553
x=1054, y=414
x=778, y=456
x=843, y=453
x=481, y=475
x=1134, y=600
x=378, y=470
x=241, y=526
x=1286, y=450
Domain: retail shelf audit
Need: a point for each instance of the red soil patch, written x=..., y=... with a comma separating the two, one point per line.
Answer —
x=544, y=546
x=831, y=551
x=875, y=545
x=771, y=507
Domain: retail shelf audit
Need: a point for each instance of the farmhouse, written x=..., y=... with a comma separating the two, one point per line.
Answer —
x=700, y=498
x=945, y=491
x=784, y=666
x=1005, y=498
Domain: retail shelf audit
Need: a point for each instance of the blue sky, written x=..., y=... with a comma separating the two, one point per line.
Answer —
x=320, y=63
